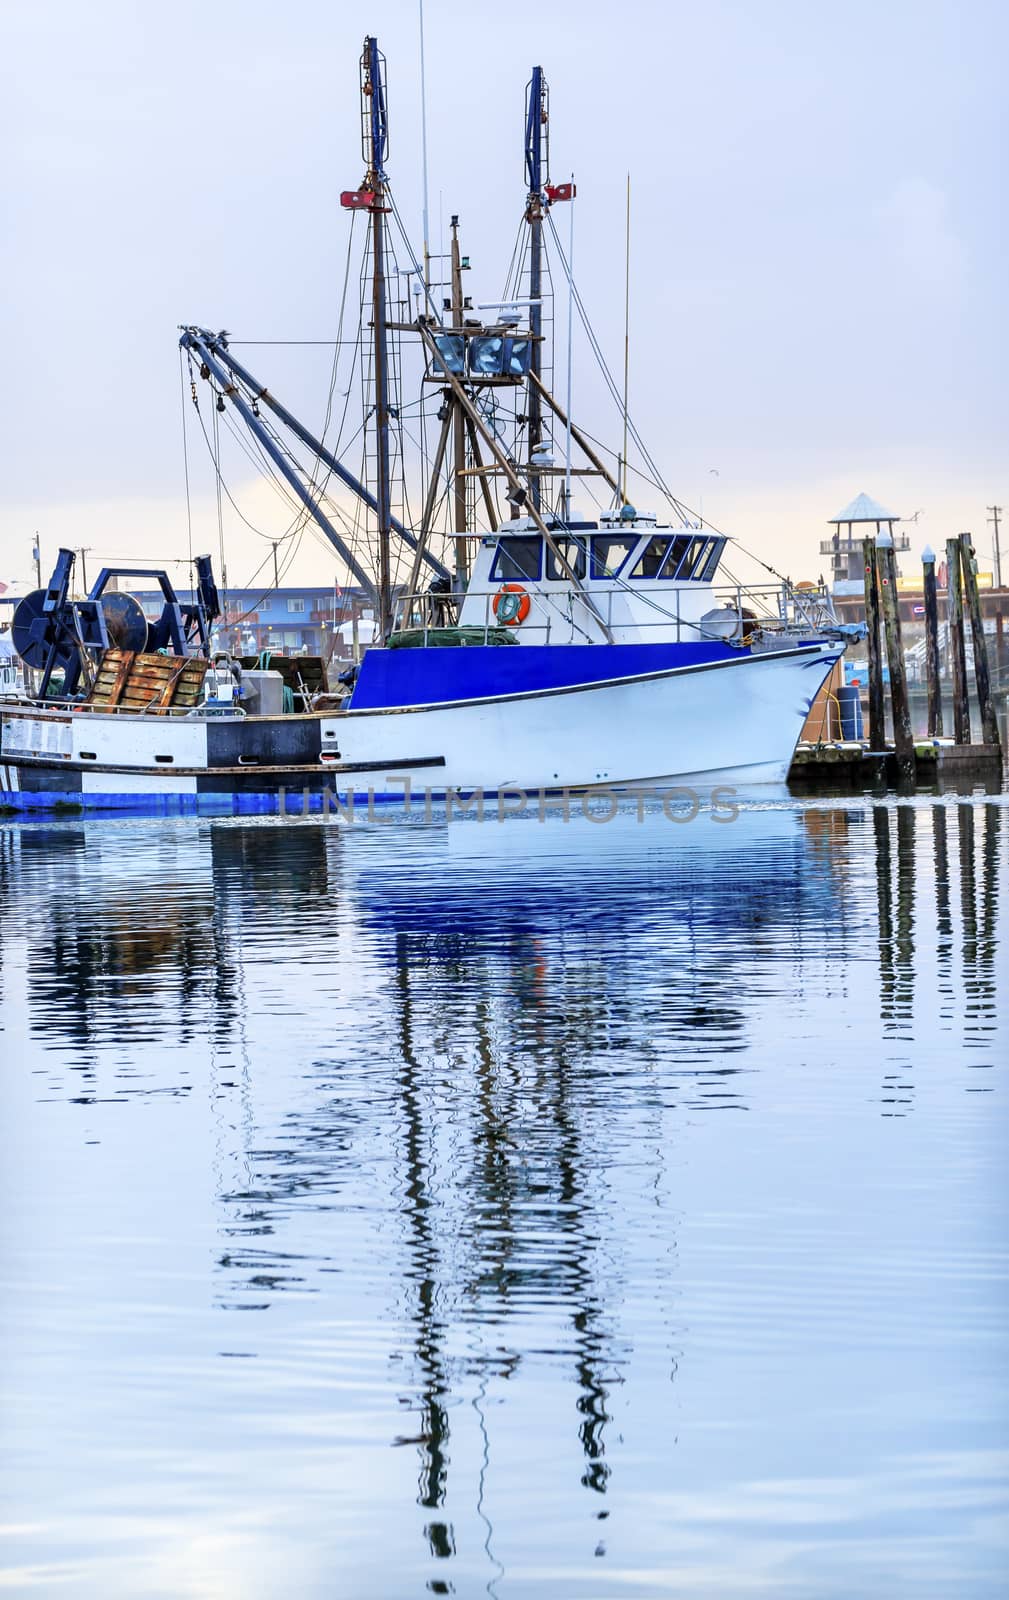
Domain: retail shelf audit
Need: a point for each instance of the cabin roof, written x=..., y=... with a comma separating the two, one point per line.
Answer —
x=864, y=509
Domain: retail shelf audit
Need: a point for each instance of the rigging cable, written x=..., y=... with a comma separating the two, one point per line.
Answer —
x=677, y=505
x=302, y=513
x=657, y=481
x=220, y=511
x=185, y=460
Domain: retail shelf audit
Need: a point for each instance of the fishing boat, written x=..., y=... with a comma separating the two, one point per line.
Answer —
x=523, y=647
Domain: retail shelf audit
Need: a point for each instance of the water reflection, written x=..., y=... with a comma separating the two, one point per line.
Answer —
x=423, y=1275
x=451, y=1070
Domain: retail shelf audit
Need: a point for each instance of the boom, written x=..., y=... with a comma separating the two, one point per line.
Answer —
x=213, y=353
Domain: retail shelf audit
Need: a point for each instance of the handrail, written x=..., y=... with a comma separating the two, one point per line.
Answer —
x=416, y=610
x=33, y=703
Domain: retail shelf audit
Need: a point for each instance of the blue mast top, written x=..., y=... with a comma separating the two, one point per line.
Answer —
x=534, y=133
x=536, y=121
x=378, y=137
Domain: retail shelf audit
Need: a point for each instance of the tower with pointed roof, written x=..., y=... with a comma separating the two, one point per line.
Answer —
x=863, y=518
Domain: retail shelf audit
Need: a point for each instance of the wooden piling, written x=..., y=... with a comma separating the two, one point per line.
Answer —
x=877, y=725
x=932, y=649
x=989, y=721
x=903, y=738
x=958, y=658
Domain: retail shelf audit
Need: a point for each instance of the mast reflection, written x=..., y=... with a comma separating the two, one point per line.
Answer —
x=433, y=1434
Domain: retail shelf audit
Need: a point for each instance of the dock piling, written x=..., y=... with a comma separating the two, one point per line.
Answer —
x=989, y=721
x=958, y=658
x=877, y=726
x=903, y=738
x=932, y=644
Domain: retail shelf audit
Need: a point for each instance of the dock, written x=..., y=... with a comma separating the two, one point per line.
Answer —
x=936, y=761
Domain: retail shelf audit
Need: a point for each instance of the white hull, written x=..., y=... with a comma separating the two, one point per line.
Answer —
x=736, y=722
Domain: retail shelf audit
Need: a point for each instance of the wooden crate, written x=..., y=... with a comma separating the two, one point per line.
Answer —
x=305, y=676
x=147, y=682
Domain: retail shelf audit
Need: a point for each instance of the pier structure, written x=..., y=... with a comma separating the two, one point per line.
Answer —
x=944, y=630
x=862, y=518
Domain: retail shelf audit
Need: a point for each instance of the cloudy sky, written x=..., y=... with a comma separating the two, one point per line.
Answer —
x=819, y=241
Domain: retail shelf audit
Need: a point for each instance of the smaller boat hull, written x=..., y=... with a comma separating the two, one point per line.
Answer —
x=707, y=725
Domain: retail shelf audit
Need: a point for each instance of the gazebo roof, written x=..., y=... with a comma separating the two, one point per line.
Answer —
x=865, y=509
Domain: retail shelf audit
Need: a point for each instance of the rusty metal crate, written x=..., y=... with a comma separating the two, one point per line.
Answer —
x=130, y=681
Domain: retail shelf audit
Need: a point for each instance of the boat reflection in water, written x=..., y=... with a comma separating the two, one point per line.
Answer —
x=459, y=1076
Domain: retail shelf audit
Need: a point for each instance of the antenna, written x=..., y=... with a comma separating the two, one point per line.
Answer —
x=423, y=151
x=571, y=308
x=627, y=328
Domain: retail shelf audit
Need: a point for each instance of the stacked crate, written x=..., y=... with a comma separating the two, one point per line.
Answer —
x=130, y=680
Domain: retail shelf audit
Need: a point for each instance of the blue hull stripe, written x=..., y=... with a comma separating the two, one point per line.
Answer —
x=436, y=675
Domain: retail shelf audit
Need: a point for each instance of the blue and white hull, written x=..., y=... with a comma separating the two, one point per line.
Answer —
x=733, y=720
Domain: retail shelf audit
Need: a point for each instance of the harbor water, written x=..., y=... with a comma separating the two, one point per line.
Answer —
x=584, y=1207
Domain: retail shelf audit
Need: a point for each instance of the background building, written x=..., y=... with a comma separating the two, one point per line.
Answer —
x=299, y=620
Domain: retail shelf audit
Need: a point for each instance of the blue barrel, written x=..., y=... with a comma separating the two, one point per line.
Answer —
x=851, y=712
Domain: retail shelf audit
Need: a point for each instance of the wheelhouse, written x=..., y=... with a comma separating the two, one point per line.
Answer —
x=634, y=580
x=603, y=553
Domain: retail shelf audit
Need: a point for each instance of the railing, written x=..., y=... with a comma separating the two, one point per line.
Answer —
x=853, y=547
x=62, y=706
x=771, y=608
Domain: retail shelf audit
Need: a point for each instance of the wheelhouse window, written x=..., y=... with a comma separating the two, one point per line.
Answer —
x=610, y=552
x=573, y=551
x=678, y=548
x=517, y=559
x=649, y=563
x=710, y=566
x=690, y=556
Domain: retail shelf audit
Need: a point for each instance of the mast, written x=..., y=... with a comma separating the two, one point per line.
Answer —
x=375, y=139
x=459, y=428
x=537, y=159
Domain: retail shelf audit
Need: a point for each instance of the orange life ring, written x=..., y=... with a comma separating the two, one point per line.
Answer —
x=511, y=604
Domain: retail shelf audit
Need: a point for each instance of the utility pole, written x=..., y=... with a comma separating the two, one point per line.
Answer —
x=996, y=512
x=276, y=573
x=37, y=558
x=84, y=566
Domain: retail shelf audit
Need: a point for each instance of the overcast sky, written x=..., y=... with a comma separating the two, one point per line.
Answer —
x=819, y=241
